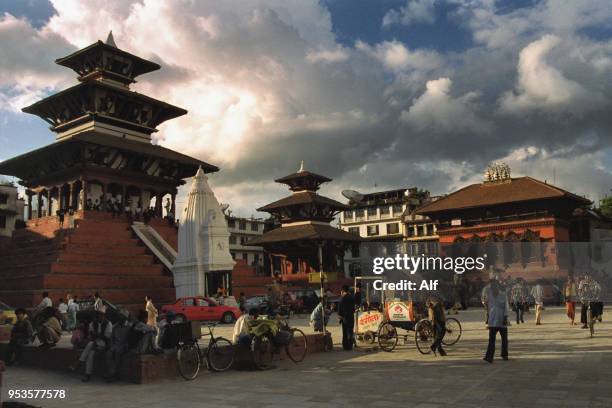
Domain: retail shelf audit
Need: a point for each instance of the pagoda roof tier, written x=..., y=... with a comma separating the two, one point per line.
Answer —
x=303, y=180
x=113, y=153
x=108, y=61
x=515, y=190
x=305, y=232
x=94, y=100
x=302, y=198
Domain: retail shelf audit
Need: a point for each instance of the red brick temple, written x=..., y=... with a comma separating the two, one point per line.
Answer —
x=517, y=222
x=305, y=243
x=102, y=151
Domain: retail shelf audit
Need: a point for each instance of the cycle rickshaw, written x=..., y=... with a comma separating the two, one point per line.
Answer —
x=373, y=326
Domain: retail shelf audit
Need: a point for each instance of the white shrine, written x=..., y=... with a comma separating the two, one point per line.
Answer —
x=204, y=262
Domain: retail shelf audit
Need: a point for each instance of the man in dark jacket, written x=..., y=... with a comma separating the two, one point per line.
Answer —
x=346, y=313
x=21, y=335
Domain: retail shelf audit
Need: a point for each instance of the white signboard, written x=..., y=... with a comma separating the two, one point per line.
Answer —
x=368, y=321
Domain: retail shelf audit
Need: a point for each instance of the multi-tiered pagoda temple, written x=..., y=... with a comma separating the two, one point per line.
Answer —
x=103, y=146
x=306, y=244
x=103, y=151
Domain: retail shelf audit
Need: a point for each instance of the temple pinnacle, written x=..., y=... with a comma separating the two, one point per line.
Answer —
x=110, y=40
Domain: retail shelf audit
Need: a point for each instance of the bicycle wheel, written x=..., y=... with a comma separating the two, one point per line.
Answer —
x=423, y=336
x=387, y=337
x=453, y=332
x=591, y=322
x=261, y=350
x=297, y=348
x=188, y=356
x=220, y=355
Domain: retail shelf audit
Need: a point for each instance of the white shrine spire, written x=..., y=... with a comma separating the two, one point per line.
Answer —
x=203, y=240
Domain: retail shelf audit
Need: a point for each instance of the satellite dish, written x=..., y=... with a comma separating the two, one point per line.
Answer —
x=224, y=207
x=352, y=195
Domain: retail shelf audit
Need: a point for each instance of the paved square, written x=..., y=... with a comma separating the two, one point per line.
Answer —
x=551, y=365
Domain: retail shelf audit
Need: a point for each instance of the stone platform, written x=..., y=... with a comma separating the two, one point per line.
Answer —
x=138, y=369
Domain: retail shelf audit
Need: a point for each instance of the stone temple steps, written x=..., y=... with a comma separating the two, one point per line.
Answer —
x=100, y=255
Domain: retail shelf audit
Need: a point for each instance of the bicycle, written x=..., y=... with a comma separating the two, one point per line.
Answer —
x=424, y=334
x=219, y=355
x=591, y=320
x=388, y=336
x=271, y=337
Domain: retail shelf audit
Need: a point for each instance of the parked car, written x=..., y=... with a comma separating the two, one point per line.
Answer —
x=7, y=314
x=259, y=302
x=86, y=311
x=306, y=299
x=201, y=308
x=227, y=301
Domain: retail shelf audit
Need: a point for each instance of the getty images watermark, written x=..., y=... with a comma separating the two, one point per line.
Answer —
x=422, y=263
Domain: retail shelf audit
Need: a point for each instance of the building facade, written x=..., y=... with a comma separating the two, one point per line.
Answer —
x=388, y=216
x=242, y=230
x=11, y=208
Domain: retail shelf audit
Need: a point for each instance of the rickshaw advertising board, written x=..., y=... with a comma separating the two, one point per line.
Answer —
x=398, y=311
x=369, y=321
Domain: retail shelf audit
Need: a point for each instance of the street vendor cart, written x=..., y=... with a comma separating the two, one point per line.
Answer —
x=381, y=315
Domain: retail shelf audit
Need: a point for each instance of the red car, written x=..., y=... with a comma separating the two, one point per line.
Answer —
x=202, y=308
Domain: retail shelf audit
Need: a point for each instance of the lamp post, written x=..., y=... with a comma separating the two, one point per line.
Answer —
x=321, y=277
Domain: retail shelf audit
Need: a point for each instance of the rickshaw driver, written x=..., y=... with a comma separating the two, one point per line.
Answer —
x=438, y=321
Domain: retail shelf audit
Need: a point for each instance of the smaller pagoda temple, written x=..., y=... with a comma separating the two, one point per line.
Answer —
x=306, y=244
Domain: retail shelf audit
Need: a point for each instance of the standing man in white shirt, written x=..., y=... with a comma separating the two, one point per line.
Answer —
x=73, y=308
x=62, y=308
x=538, y=296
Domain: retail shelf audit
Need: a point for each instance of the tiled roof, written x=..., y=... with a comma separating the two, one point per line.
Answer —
x=304, y=232
x=495, y=193
x=301, y=198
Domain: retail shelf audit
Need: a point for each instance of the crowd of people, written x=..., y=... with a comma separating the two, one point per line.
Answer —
x=501, y=297
x=95, y=334
x=117, y=209
x=91, y=332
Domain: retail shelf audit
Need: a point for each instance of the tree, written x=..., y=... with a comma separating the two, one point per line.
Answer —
x=605, y=207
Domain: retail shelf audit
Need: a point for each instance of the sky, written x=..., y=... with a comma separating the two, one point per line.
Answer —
x=374, y=94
